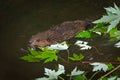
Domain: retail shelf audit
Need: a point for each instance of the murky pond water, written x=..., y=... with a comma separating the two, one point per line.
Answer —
x=20, y=19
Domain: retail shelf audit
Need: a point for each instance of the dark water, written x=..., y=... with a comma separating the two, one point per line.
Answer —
x=20, y=19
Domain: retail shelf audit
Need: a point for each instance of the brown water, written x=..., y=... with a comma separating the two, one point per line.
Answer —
x=20, y=19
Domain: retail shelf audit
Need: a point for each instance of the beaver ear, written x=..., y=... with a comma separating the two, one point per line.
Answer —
x=88, y=25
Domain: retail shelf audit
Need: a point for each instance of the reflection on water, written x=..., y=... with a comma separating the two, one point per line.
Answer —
x=22, y=18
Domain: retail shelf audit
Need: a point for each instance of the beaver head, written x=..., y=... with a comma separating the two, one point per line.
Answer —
x=35, y=42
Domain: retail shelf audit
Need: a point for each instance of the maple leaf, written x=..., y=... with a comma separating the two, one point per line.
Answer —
x=59, y=46
x=76, y=72
x=99, y=66
x=76, y=57
x=117, y=45
x=52, y=74
x=83, y=45
x=112, y=17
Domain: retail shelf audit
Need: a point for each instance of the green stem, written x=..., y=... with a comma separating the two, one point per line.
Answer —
x=70, y=77
x=63, y=59
x=99, y=53
x=94, y=75
x=110, y=72
x=61, y=78
x=68, y=54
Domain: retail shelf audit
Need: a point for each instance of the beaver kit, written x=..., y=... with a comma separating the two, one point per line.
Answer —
x=59, y=33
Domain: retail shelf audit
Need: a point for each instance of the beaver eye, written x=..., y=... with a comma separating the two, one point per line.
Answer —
x=38, y=40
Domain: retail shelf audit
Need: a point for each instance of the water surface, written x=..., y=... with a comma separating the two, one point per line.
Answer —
x=20, y=19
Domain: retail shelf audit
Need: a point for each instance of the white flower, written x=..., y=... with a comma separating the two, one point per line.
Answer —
x=117, y=45
x=52, y=74
x=59, y=46
x=99, y=66
x=76, y=72
x=99, y=33
x=83, y=45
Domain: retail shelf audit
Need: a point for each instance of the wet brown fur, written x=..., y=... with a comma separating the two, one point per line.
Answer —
x=59, y=33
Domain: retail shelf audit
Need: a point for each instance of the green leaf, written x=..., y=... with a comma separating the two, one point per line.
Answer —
x=30, y=58
x=110, y=67
x=33, y=52
x=114, y=35
x=99, y=28
x=104, y=78
x=118, y=58
x=36, y=56
x=112, y=17
x=76, y=57
x=48, y=56
x=112, y=31
x=83, y=34
x=79, y=77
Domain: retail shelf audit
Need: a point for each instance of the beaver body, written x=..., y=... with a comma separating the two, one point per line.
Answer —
x=59, y=33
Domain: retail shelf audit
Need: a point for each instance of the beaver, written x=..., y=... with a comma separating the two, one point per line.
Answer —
x=59, y=33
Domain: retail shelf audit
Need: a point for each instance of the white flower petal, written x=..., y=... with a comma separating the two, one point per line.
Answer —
x=61, y=70
x=117, y=45
x=99, y=33
x=79, y=42
x=83, y=45
x=59, y=46
x=76, y=72
x=99, y=66
x=52, y=74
